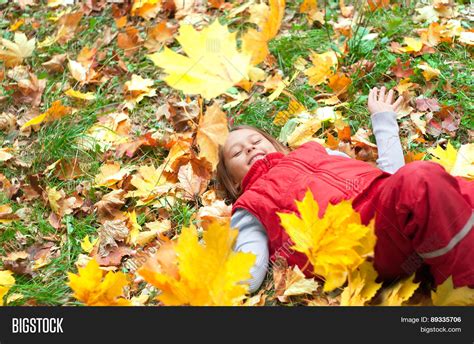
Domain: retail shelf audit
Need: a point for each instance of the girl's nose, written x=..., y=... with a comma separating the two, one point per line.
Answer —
x=250, y=149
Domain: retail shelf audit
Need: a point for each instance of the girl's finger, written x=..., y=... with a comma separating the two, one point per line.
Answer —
x=382, y=94
x=397, y=103
x=389, y=97
x=373, y=94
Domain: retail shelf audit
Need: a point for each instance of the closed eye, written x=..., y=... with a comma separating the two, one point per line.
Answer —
x=236, y=154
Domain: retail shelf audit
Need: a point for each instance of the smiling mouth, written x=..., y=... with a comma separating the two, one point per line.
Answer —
x=256, y=157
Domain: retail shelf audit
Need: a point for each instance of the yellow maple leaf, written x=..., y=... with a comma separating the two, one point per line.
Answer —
x=304, y=131
x=13, y=53
x=428, y=71
x=294, y=109
x=464, y=164
x=56, y=111
x=324, y=66
x=211, y=133
x=136, y=89
x=134, y=227
x=255, y=42
x=87, y=245
x=412, y=44
x=445, y=157
x=150, y=182
x=180, y=149
x=202, y=275
x=92, y=288
x=362, y=286
x=212, y=65
x=6, y=282
x=447, y=295
x=400, y=292
x=110, y=174
x=335, y=244
x=79, y=95
x=147, y=9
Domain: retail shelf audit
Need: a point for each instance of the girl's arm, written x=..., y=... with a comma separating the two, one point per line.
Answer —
x=252, y=238
x=385, y=128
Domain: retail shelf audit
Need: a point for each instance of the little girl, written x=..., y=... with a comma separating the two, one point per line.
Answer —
x=423, y=215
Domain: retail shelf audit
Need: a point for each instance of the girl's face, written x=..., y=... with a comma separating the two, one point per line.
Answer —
x=242, y=148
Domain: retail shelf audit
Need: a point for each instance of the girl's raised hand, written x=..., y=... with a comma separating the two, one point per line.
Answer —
x=382, y=101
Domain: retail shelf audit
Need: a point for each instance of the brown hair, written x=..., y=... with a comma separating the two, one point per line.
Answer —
x=223, y=176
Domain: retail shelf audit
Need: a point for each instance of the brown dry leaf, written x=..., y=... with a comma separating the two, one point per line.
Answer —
x=18, y=262
x=218, y=210
x=183, y=114
x=108, y=208
x=68, y=26
x=41, y=254
x=7, y=122
x=130, y=148
x=7, y=187
x=191, y=183
x=6, y=214
x=67, y=170
x=130, y=41
x=61, y=204
x=402, y=69
x=114, y=255
x=25, y=86
x=158, y=35
x=110, y=174
x=56, y=63
x=211, y=133
x=109, y=233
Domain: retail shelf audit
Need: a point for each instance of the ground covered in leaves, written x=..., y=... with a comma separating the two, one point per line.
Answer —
x=111, y=116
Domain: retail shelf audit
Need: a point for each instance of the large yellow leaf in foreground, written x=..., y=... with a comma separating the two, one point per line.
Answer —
x=212, y=65
x=400, y=292
x=362, y=286
x=458, y=163
x=92, y=288
x=447, y=295
x=201, y=275
x=336, y=244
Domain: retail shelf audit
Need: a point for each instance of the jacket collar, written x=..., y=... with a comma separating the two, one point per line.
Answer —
x=259, y=168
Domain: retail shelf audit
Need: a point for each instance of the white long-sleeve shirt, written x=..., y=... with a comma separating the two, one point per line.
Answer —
x=252, y=234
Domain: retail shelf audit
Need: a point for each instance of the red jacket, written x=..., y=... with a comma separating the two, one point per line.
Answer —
x=274, y=183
